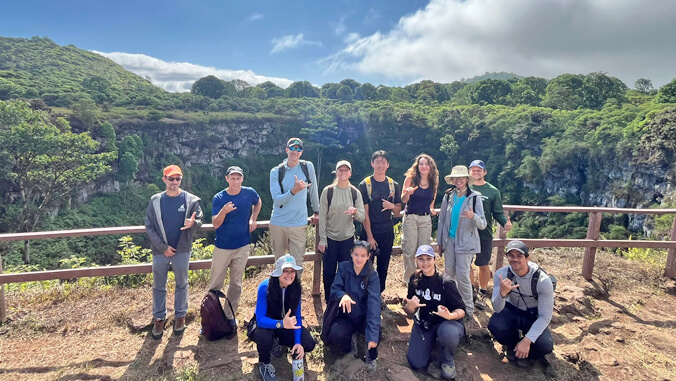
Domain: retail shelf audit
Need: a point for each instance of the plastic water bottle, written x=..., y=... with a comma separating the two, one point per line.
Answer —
x=298, y=370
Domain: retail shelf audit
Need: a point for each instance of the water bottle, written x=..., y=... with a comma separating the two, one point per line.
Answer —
x=298, y=370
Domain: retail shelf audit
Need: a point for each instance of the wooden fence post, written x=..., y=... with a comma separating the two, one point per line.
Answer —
x=670, y=270
x=593, y=230
x=500, y=250
x=317, y=268
x=3, y=304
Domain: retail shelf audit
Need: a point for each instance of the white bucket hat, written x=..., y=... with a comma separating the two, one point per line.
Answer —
x=285, y=261
x=459, y=171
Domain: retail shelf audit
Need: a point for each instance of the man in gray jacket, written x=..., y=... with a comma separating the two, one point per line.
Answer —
x=171, y=217
x=519, y=308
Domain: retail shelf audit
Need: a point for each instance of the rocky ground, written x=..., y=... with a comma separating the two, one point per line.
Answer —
x=618, y=326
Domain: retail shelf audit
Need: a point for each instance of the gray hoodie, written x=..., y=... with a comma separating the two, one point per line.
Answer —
x=155, y=228
x=467, y=236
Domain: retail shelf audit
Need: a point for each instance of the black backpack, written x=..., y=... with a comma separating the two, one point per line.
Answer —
x=329, y=195
x=215, y=325
x=534, y=280
x=282, y=171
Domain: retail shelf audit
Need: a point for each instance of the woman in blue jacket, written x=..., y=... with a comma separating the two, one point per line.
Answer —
x=278, y=317
x=356, y=288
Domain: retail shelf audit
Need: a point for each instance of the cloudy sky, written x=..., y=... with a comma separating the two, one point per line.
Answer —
x=391, y=42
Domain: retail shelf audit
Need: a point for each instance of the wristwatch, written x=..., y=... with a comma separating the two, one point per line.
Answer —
x=279, y=324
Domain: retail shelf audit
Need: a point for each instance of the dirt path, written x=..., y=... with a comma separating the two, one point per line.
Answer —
x=620, y=326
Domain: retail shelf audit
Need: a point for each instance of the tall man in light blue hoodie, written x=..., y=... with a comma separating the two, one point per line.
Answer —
x=291, y=184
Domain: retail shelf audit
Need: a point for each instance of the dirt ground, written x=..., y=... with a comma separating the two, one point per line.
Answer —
x=620, y=326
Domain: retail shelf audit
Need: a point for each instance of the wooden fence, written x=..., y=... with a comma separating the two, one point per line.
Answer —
x=590, y=243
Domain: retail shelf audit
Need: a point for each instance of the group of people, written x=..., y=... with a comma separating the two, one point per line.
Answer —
x=355, y=271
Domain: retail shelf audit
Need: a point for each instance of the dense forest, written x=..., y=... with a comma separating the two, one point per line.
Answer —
x=82, y=142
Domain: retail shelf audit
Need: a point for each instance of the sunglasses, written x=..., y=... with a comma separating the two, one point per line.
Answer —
x=297, y=149
x=174, y=178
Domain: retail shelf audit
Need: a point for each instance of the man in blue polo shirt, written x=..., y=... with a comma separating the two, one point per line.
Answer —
x=234, y=210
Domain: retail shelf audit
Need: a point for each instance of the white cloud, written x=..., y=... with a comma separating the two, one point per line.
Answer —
x=452, y=39
x=254, y=17
x=179, y=76
x=339, y=27
x=289, y=42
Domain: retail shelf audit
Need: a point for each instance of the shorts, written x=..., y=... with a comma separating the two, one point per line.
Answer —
x=484, y=257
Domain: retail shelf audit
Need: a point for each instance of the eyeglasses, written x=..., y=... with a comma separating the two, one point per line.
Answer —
x=171, y=179
x=297, y=149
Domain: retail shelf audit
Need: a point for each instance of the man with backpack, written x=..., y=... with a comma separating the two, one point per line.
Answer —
x=234, y=210
x=382, y=201
x=523, y=300
x=292, y=183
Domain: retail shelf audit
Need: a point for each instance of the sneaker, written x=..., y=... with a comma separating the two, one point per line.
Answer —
x=434, y=370
x=448, y=370
x=179, y=325
x=524, y=363
x=233, y=322
x=371, y=364
x=277, y=351
x=158, y=328
x=353, y=345
x=480, y=301
x=511, y=355
x=267, y=371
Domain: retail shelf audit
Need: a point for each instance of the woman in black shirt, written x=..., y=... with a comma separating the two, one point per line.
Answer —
x=438, y=310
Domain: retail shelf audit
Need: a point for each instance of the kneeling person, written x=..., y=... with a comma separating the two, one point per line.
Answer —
x=438, y=310
x=518, y=309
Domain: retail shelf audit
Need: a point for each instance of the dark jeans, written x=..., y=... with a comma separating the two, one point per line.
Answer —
x=335, y=252
x=264, y=339
x=508, y=325
x=385, y=241
x=422, y=341
x=341, y=334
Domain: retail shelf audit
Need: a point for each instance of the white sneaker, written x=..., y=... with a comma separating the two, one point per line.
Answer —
x=448, y=371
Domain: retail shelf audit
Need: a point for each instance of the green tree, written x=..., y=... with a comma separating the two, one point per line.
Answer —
x=46, y=161
x=127, y=168
x=643, y=85
x=209, y=86
x=109, y=137
x=366, y=92
x=564, y=92
x=667, y=93
x=302, y=89
x=344, y=94
x=85, y=109
x=351, y=83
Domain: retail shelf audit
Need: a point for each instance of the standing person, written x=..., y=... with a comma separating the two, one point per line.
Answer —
x=278, y=317
x=234, y=210
x=419, y=193
x=291, y=184
x=171, y=218
x=356, y=289
x=492, y=203
x=460, y=218
x=438, y=311
x=522, y=314
x=382, y=200
x=340, y=205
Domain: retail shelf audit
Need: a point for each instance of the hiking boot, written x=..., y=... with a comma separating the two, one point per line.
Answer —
x=511, y=356
x=448, y=370
x=179, y=325
x=480, y=302
x=267, y=371
x=158, y=329
x=434, y=370
x=548, y=369
x=524, y=363
x=277, y=351
x=371, y=364
x=353, y=345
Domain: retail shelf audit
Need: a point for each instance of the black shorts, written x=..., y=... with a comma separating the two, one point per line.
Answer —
x=484, y=257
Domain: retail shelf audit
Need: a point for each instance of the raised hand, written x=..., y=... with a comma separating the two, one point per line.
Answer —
x=443, y=312
x=414, y=302
x=298, y=185
x=346, y=303
x=387, y=205
x=229, y=207
x=351, y=211
x=506, y=286
x=508, y=225
x=189, y=222
x=409, y=191
x=289, y=321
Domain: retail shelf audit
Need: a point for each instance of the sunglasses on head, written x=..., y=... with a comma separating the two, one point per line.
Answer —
x=362, y=244
x=179, y=178
x=294, y=148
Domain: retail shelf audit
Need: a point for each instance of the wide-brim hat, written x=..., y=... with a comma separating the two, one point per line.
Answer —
x=285, y=261
x=459, y=171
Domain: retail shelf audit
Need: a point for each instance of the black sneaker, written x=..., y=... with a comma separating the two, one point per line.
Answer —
x=480, y=301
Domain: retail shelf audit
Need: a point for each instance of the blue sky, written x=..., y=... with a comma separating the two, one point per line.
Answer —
x=382, y=42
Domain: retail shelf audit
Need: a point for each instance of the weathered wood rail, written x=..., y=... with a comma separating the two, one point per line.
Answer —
x=591, y=243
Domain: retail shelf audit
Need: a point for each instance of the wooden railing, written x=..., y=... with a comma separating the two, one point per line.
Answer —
x=591, y=243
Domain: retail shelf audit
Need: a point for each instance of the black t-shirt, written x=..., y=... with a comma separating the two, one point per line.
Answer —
x=173, y=217
x=381, y=221
x=433, y=291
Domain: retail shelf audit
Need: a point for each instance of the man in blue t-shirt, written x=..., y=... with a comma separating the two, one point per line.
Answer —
x=234, y=210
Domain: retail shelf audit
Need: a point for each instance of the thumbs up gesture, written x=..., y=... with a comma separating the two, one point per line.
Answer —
x=190, y=222
x=289, y=321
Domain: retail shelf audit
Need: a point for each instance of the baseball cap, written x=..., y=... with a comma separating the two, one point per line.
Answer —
x=343, y=162
x=285, y=261
x=234, y=169
x=294, y=142
x=172, y=170
x=518, y=246
x=478, y=163
x=425, y=250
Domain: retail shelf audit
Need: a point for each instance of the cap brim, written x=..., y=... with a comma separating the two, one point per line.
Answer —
x=173, y=173
x=515, y=248
x=279, y=271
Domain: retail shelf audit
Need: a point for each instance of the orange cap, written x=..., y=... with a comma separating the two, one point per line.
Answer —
x=172, y=170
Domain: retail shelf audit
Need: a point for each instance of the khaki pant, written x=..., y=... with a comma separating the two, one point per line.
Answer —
x=291, y=240
x=416, y=231
x=234, y=259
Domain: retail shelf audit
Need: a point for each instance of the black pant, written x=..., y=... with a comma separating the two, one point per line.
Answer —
x=335, y=252
x=385, y=241
x=341, y=334
x=506, y=324
x=264, y=339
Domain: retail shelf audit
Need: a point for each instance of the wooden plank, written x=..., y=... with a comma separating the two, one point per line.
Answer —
x=670, y=269
x=317, y=267
x=500, y=250
x=593, y=230
x=584, y=209
x=3, y=304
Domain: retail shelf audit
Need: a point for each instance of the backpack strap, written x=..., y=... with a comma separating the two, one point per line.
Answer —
x=390, y=183
x=281, y=168
x=329, y=195
x=369, y=186
x=534, y=282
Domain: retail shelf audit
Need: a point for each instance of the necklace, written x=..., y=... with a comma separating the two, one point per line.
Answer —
x=460, y=192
